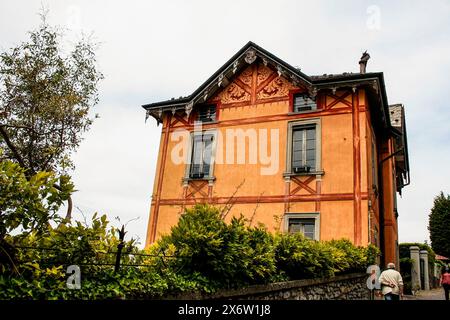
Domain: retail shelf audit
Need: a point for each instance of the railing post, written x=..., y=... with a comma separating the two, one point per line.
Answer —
x=119, y=248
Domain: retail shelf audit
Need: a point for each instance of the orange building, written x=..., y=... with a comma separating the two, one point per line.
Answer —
x=322, y=155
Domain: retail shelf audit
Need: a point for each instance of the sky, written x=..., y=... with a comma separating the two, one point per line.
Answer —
x=154, y=50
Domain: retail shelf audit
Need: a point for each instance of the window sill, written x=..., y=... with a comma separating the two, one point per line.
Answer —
x=187, y=179
x=302, y=112
x=205, y=123
x=311, y=173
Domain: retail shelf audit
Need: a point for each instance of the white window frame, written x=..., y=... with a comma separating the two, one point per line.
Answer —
x=309, y=215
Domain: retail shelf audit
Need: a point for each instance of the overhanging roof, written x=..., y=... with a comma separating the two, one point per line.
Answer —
x=248, y=54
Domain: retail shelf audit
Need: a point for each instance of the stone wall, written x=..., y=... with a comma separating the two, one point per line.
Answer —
x=343, y=287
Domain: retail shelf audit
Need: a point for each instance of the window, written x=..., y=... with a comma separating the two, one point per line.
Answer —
x=302, y=102
x=304, y=149
x=305, y=226
x=201, y=156
x=207, y=113
x=306, y=223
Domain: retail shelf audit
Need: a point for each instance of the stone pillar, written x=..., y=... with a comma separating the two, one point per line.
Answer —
x=424, y=255
x=415, y=268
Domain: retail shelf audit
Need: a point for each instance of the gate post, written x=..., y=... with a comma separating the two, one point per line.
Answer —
x=426, y=279
x=415, y=268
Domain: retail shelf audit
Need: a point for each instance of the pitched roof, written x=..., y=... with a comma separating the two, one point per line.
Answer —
x=239, y=60
x=374, y=81
x=226, y=67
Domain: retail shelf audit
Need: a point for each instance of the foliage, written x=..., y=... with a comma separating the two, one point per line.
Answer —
x=201, y=254
x=228, y=254
x=29, y=204
x=405, y=269
x=129, y=283
x=45, y=98
x=302, y=258
x=439, y=222
x=404, y=251
x=76, y=243
x=406, y=262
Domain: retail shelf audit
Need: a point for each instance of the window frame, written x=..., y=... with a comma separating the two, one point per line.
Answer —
x=204, y=105
x=289, y=148
x=306, y=216
x=297, y=94
x=192, y=136
x=293, y=93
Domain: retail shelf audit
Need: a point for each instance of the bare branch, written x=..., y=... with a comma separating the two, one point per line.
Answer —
x=230, y=202
x=11, y=147
x=256, y=208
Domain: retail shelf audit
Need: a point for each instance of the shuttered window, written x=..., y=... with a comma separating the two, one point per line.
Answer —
x=207, y=113
x=303, y=102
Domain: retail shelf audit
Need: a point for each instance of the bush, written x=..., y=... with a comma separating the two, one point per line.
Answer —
x=229, y=255
x=301, y=258
x=202, y=253
x=355, y=259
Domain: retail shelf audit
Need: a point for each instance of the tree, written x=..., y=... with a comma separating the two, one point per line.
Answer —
x=27, y=203
x=45, y=98
x=439, y=225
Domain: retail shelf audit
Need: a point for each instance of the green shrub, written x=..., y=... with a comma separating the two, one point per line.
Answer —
x=354, y=258
x=229, y=255
x=202, y=253
x=301, y=258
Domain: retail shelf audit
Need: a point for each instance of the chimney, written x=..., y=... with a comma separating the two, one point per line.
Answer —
x=363, y=62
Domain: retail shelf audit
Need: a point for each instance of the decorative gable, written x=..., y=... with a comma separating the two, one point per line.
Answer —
x=257, y=83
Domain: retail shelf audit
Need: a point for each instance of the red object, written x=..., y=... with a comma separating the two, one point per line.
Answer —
x=446, y=278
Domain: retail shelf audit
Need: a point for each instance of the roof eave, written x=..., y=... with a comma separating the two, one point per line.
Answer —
x=229, y=66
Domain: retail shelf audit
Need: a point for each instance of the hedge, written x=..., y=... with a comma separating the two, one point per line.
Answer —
x=201, y=253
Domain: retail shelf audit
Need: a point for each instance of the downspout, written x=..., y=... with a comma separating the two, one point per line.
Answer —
x=381, y=212
x=381, y=197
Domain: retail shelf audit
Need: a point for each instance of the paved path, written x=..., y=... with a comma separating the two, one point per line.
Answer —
x=435, y=294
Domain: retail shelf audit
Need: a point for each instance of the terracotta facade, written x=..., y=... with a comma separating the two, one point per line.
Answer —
x=344, y=192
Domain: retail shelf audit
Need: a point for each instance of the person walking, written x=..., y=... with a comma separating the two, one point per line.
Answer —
x=391, y=283
x=445, y=281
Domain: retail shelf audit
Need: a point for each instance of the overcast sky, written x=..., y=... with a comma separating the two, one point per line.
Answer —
x=154, y=50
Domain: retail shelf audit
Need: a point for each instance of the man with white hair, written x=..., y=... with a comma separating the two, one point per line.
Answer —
x=391, y=283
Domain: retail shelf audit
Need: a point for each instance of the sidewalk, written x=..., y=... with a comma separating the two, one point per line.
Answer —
x=435, y=294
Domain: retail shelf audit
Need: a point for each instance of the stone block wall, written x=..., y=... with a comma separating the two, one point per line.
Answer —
x=343, y=287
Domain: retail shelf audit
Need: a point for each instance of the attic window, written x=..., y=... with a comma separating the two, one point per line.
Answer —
x=302, y=103
x=207, y=113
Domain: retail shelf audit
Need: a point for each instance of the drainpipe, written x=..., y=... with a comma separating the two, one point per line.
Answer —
x=381, y=213
x=381, y=203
